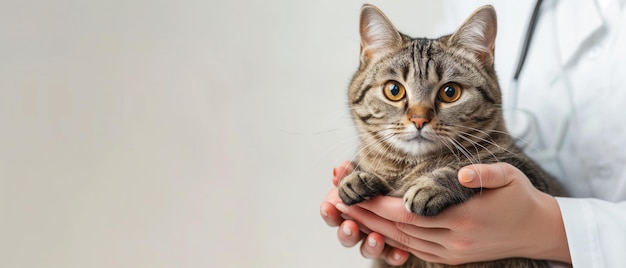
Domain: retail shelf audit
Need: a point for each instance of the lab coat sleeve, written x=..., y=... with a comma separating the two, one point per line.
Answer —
x=596, y=231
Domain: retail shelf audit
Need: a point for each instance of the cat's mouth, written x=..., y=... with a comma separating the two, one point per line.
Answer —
x=416, y=143
x=419, y=138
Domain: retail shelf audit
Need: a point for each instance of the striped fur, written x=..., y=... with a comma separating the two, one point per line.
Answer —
x=414, y=147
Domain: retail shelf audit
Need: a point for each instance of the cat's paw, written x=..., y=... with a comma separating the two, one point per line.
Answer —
x=352, y=190
x=360, y=186
x=428, y=198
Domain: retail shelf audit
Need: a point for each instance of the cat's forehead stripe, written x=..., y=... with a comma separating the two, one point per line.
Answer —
x=405, y=71
x=421, y=54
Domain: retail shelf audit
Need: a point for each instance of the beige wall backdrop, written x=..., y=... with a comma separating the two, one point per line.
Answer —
x=177, y=133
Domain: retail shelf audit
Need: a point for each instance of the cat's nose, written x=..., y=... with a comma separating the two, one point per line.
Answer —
x=419, y=121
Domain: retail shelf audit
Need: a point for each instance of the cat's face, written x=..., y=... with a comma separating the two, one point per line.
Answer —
x=425, y=95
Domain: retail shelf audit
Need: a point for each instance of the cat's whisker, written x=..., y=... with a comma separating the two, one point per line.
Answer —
x=371, y=146
x=386, y=149
x=487, y=131
x=445, y=142
x=339, y=143
x=461, y=149
x=360, y=137
x=489, y=142
x=476, y=143
x=443, y=131
x=469, y=159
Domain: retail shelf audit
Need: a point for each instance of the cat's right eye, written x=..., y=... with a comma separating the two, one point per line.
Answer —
x=393, y=90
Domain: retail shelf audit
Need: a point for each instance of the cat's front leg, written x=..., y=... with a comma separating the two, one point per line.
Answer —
x=359, y=186
x=435, y=191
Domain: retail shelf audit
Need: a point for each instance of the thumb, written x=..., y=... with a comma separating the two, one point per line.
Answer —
x=490, y=176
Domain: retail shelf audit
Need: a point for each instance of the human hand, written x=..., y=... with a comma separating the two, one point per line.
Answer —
x=350, y=232
x=509, y=218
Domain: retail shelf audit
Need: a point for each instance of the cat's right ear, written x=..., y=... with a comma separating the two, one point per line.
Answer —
x=378, y=35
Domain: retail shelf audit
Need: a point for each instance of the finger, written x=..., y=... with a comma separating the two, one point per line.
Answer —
x=364, y=230
x=430, y=257
x=332, y=196
x=392, y=209
x=330, y=214
x=328, y=211
x=396, y=257
x=373, y=246
x=487, y=175
x=341, y=171
x=393, y=236
x=434, y=235
x=348, y=233
x=416, y=246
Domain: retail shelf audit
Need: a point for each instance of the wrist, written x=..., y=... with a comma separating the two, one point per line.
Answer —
x=549, y=241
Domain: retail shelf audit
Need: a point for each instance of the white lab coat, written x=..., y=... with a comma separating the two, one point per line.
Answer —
x=574, y=79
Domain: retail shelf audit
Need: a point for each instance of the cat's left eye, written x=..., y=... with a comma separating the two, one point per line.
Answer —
x=450, y=92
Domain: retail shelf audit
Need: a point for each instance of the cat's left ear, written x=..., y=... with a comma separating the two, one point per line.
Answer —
x=478, y=34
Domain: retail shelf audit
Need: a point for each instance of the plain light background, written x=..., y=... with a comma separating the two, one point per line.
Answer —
x=177, y=133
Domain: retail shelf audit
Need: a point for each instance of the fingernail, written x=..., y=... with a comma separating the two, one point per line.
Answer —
x=334, y=172
x=396, y=256
x=346, y=230
x=341, y=207
x=324, y=213
x=371, y=242
x=467, y=175
x=346, y=217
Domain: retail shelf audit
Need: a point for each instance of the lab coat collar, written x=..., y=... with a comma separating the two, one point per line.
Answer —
x=576, y=21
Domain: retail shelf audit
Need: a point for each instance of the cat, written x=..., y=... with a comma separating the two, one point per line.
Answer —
x=424, y=108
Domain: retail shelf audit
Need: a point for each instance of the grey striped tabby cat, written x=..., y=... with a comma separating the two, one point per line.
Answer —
x=424, y=108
